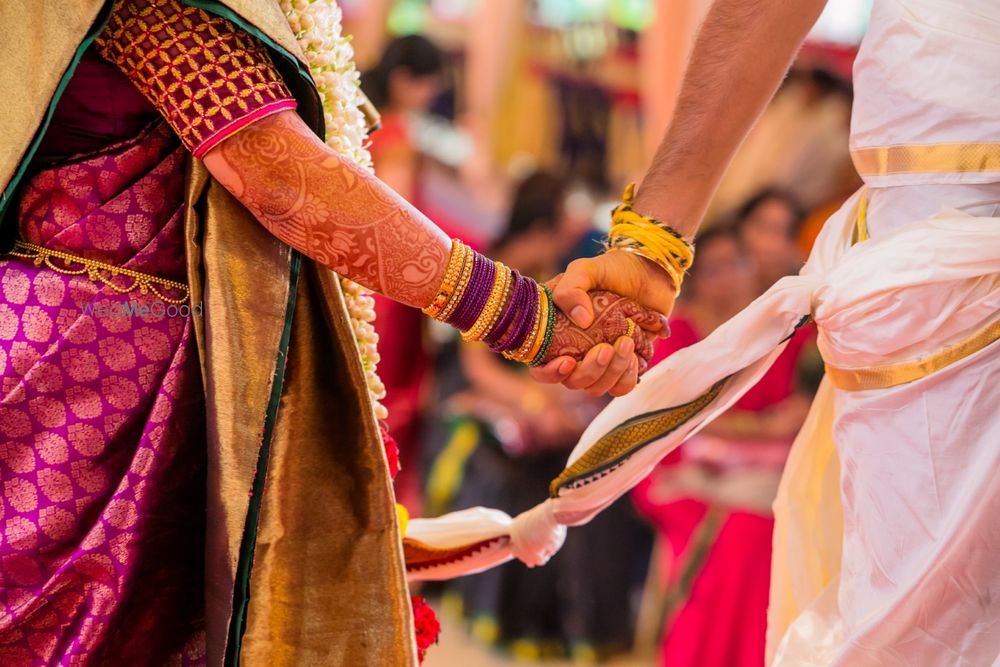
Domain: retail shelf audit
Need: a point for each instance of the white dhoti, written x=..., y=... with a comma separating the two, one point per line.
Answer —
x=905, y=570
x=887, y=535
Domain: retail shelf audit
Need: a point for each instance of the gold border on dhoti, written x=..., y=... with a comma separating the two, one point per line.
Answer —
x=883, y=377
x=925, y=159
x=629, y=437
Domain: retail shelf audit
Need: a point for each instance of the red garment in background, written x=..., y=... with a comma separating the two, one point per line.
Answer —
x=404, y=361
x=722, y=620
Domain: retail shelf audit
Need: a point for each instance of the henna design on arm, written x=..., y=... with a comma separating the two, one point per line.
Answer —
x=331, y=210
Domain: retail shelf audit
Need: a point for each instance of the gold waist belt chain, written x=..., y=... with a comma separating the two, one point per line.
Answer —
x=101, y=273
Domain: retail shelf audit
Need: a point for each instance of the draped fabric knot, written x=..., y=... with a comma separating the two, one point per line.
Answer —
x=536, y=535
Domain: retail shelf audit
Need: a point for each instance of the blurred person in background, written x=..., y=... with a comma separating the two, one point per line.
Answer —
x=800, y=142
x=768, y=226
x=508, y=438
x=710, y=499
x=406, y=81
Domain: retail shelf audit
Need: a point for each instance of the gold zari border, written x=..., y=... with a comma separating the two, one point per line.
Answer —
x=629, y=437
x=930, y=158
x=883, y=377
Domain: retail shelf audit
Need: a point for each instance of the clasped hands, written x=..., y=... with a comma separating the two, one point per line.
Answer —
x=594, y=347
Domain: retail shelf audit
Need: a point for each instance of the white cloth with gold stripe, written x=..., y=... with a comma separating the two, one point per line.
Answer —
x=909, y=575
x=925, y=81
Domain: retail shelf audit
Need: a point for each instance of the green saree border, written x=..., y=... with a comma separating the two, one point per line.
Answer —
x=244, y=566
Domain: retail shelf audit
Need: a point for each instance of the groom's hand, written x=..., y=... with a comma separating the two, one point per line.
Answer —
x=606, y=368
x=623, y=273
x=609, y=355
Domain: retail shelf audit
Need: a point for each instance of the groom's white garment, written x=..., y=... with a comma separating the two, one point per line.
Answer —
x=887, y=541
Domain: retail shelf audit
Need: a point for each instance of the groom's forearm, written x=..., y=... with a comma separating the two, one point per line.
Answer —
x=742, y=52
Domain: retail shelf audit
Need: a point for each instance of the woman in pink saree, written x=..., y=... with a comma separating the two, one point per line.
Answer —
x=183, y=419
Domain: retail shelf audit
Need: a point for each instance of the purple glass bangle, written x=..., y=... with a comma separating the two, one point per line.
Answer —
x=514, y=305
x=522, y=328
x=481, y=294
x=477, y=293
x=463, y=302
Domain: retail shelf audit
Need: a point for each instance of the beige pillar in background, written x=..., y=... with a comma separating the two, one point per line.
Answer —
x=664, y=48
x=367, y=28
x=490, y=46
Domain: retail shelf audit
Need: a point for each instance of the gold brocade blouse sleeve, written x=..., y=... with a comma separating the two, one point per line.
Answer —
x=207, y=77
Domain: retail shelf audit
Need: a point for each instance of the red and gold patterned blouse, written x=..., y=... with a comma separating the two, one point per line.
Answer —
x=208, y=78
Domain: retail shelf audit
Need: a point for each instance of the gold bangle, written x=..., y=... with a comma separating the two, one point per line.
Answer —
x=504, y=302
x=450, y=282
x=494, y=303
x=543, y=318
x=463, y=281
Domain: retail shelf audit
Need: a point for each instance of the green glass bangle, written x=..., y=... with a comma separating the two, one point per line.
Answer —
x=549, y=330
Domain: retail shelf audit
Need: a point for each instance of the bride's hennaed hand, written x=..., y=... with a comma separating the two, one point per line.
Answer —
x=606, y=357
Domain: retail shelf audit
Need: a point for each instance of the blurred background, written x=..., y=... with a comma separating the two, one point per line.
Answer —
x=515, y=125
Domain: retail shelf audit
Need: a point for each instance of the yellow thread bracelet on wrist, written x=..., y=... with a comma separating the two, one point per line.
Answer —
x=649, y=238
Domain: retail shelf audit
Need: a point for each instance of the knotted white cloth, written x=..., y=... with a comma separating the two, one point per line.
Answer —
x=886, y=540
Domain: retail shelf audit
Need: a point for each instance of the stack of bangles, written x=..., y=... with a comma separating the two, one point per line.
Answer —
x=488, y=301
x=649, y=238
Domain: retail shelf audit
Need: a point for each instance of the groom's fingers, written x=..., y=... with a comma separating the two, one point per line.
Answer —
x=591, y=368
x=555, y=371
x=570, y=293
x=618, y=367
x=602, y=367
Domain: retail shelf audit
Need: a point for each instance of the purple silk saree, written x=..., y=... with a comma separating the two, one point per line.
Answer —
x=101, y=421
x=111, y=453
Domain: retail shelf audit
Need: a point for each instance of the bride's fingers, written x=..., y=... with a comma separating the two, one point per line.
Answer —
x=644, y=348
x=624, y=356
x=648, y=320
x=627, y=382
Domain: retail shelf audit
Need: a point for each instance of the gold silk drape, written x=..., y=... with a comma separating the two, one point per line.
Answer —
x=298, y=483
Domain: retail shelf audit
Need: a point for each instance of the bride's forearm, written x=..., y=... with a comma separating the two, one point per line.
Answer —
x=353, y=223
x=331, y=210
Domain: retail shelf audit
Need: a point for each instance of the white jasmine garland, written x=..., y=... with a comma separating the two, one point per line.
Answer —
x=316, y=24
